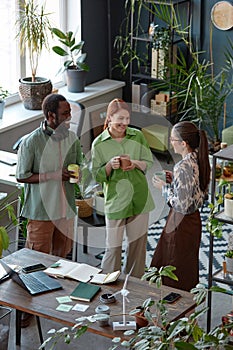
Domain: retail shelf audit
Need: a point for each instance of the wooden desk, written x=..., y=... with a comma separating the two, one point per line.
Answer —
x=44, y=305
x=7, y=171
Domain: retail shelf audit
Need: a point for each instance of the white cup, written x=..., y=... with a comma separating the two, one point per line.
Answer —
x=161, y=175
x=75, y=172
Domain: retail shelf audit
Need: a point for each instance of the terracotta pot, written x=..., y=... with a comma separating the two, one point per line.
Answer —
x=140, y=319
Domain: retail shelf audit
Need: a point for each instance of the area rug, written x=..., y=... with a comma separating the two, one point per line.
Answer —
x=220, y=245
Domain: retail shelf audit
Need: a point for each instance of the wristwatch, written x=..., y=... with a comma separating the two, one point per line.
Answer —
x=222, y=15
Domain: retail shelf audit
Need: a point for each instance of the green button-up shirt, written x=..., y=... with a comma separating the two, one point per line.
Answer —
x=39, y=153
x=126, y=192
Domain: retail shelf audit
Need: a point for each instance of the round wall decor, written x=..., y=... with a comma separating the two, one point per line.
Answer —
x=222, y=15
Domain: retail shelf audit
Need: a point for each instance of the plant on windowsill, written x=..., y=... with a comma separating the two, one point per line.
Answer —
x=33, y=29
x=3, y=95
x=75, y=67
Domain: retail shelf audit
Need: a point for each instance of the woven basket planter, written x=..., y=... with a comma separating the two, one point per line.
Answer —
x=33, y=93
x=85, y=207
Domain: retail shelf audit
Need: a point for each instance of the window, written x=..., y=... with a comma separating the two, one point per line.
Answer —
x=13, y=66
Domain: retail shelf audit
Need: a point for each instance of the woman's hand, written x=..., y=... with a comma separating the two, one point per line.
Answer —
x=168, y=176
x=157, y=182
x=115, y=162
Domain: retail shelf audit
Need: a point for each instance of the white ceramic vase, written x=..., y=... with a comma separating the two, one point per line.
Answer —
x=99, y=204
x=229, y=264
x=228, y=207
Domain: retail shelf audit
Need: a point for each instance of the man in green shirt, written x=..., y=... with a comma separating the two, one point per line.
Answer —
x=43, y=158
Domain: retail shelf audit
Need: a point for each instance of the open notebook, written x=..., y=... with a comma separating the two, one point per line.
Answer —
x=80, y=272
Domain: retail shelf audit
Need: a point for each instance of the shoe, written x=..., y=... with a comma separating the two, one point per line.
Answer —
x=26, y=319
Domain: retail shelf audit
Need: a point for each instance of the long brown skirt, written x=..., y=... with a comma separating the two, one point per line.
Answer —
x=179, y=246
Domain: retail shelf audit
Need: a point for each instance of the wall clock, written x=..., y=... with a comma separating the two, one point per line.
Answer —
x=222, y=15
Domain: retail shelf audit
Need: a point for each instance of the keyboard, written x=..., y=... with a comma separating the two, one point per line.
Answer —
x=33, y=283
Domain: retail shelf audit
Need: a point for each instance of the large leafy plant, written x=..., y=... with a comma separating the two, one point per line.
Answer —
x=33, y=29
x=7, y=214
x=73, y=52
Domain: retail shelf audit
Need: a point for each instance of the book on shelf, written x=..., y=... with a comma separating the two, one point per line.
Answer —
x=78, y=271
x=84, y=292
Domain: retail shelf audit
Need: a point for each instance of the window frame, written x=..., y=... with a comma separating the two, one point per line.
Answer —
x=70, y=15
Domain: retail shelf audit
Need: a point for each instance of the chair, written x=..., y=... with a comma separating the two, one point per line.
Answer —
x=77, y=117
x=227, y=135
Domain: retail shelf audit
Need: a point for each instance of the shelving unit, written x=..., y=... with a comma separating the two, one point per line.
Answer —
x=217, y=277
x=142, y=42
x=140, y=78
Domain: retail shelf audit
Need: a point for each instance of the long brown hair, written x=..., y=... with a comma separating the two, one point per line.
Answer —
x=197, y=140
x=113, y=107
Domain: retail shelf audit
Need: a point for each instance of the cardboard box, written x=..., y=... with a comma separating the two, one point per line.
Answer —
x=163, y=108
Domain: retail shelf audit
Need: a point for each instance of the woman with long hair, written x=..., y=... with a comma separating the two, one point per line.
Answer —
x=180, y=240
x=127, y=197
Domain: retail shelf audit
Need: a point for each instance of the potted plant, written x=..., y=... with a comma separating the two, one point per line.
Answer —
x=228, y=199
x=229, y=261
x=7, y=213
x=99, y=202
x=3, y=94
x=141, y=313
x=33, y=28
x=84, y=190
x=75, y=67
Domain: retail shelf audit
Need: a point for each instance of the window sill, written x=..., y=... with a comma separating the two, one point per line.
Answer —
x=15, y=115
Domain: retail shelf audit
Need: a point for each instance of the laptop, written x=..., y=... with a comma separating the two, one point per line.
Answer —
x=35, y=282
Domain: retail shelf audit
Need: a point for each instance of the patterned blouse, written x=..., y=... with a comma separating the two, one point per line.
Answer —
x=185, y=195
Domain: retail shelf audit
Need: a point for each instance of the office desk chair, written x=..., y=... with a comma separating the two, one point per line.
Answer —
x=77, y=117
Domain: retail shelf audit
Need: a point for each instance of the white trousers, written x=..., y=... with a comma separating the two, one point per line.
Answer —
x=135, y=229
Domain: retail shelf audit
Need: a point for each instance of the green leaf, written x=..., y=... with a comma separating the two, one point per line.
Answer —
x=4, y=239
x=60, y=51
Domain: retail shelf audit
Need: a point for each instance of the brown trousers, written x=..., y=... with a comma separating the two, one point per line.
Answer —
x=51, y=237
x=179, y=246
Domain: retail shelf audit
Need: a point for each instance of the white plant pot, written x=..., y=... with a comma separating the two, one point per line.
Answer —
x=99, y=204
x=229, y=264
x=228, y=207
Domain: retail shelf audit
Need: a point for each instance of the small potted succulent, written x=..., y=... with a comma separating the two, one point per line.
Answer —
x=75, y=67
x=229, y=261
x=3, y=94
x=228, y=197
